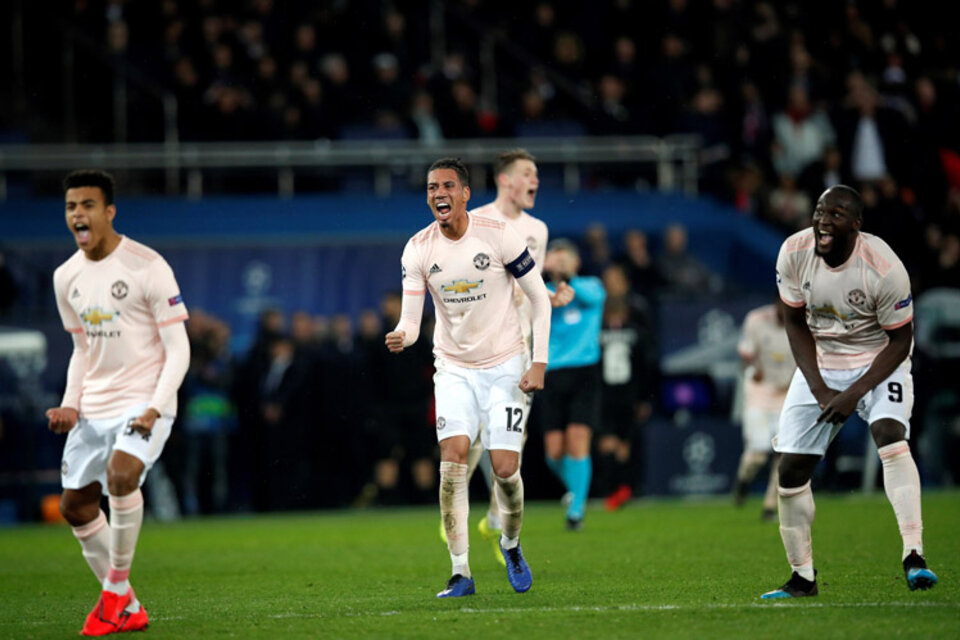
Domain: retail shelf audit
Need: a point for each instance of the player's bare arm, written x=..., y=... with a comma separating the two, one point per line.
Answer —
x=804, y=350
x=394, y=341
x=61, y=419
x=532, y=380
x=842, y=405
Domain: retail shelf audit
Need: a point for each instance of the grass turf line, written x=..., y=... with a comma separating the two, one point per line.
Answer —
x=678, y=569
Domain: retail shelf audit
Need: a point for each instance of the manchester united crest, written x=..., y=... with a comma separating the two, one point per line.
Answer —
x=119, y=290
x=856, y=297
x=481, y=261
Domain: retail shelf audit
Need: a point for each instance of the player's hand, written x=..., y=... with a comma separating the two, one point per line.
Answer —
x=61, y=419
x=532, y=380
x=394, y=341
x=563, y=296
x=144, y=423
x=838, y=407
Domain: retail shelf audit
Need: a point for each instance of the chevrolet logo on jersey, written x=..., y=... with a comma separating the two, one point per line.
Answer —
x=461, y=286
x=97, y=316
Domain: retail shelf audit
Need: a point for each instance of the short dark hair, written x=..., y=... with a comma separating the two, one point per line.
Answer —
x=507, y=158
x=852, y=195
x=453, y=163
x=91, y=178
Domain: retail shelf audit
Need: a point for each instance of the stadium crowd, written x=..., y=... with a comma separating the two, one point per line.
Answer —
x=786, y=97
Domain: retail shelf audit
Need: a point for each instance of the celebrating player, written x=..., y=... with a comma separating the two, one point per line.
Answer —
x=765, y=350
x=517, y=183
x=848, y=312
x=121, y=303
x=469, y=263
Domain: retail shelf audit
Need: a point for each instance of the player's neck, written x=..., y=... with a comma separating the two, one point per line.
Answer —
x=507, y=207
x=838, y=258
x=455, y=227
x=104, y=248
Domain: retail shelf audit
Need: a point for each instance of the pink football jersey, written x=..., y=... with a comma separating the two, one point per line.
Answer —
x=850, y=306
x=118, y=304
x=471, y=282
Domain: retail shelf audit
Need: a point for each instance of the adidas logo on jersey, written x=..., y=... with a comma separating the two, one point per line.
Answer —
x=435, y=268
x=75, y=294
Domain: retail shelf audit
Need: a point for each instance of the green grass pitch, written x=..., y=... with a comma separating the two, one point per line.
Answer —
x=655, y=569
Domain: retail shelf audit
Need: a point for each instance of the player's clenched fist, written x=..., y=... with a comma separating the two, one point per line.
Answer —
x=394, y=341
x=62, y=419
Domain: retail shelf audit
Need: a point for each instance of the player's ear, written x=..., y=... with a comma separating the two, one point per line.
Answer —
x=466, y=194
x=111, y=212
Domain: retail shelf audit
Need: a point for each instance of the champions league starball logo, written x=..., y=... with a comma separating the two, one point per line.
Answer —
x=441, y=423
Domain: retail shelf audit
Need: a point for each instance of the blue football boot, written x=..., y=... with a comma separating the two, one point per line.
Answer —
x=518, y=571
x=457, y=586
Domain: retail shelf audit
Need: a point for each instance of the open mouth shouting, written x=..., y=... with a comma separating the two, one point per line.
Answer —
x=82, y=233
x=444, y=209
x=824, y=241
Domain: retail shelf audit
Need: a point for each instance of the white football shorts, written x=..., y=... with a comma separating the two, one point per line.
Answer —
x=484, y=402
x=759, y=428
x=91, y=442
x=799, y=430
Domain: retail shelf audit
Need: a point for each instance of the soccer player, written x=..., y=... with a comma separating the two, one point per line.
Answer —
x=515, y=171
x=570, y=405
x=120, y=302
x=848, y=313
x=765, y=350
x=469, y=263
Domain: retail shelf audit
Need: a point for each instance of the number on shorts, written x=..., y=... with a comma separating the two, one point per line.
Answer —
x=514, y=417
x=896, y=391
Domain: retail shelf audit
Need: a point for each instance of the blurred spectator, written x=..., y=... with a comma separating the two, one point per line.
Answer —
x=800, y=133
x=872, y=135
x=823, y=173
x=888, y=216
x=597, y=253
x=425, y=125
x=790, y=208
x=637, y=265
x=399, y=439
x=285, y=446
x=208, y=415
x=682, y=271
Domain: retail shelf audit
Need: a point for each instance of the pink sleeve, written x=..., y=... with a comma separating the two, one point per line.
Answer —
x=534, y=288
x=67, y=315
x=163, y=294
x=79, y=362
x=787, y=283
x=176, y=349
x=414, y=289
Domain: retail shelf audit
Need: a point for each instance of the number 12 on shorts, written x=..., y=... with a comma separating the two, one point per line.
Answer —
x=514, y=419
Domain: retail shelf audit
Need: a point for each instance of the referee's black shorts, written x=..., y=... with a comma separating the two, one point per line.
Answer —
x=570, y=395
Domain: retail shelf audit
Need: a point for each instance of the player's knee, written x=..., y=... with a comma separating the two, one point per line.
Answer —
x=121, y=482
x=506, y=468
x=78, y=512
x=795, y=470
x=887, y=432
